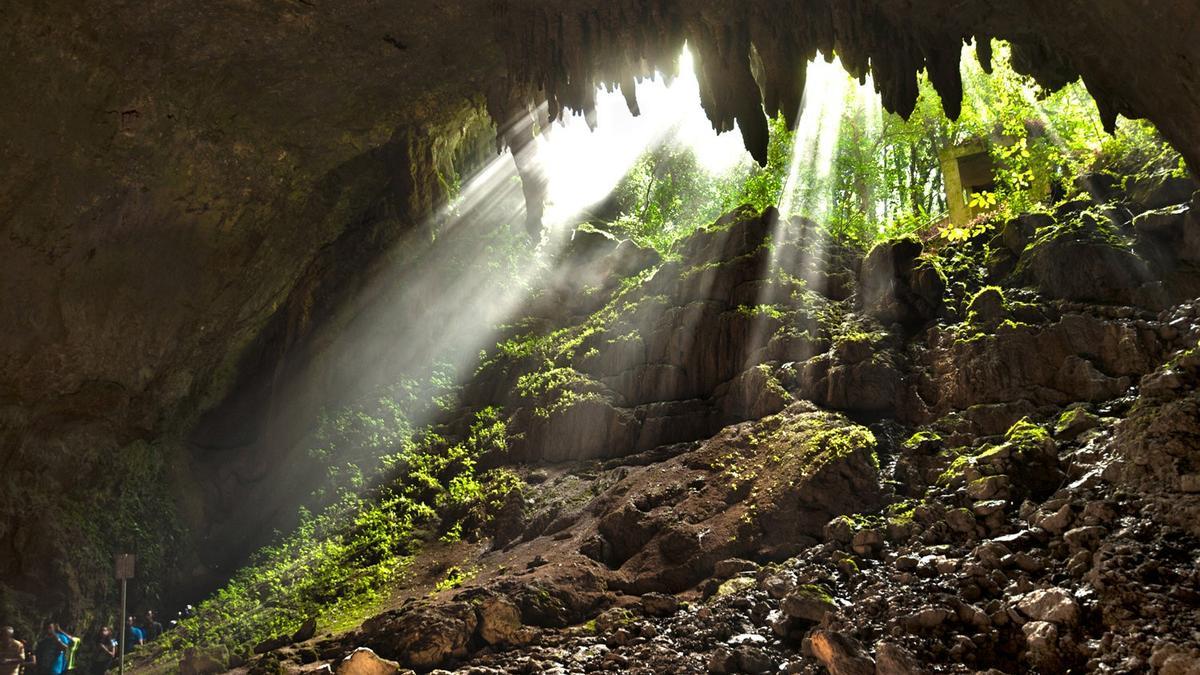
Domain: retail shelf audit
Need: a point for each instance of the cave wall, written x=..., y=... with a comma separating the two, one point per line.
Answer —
x=170, y=190
x=187, y=190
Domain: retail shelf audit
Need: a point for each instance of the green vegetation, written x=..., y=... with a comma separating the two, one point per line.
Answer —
x=923, y=439
x=391, y=484
x=1026, y=434
x=886, y=175
x=1024, y=442
x=338, y=565
x=455, y=577
x=814, y=592
x=668, y=195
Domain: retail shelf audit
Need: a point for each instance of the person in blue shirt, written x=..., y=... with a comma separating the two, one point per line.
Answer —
x=134, y=636
x=51, y=651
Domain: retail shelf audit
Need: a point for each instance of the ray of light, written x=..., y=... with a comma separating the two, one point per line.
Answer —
x=805, y=191
x=583, y=166
x=806, y=200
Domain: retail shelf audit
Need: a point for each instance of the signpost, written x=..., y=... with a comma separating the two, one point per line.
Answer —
x=124, y=565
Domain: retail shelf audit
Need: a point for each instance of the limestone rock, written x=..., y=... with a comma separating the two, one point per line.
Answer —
x=1103, y=270
x=659, y=604
x=363, y=661
x=1055, y=605
x=500, y=621
x=732, y=567
x=422, y=635
x=892, y=659
x=306, y=630
x=203, y=661
x=841, y=655
x=1041, y=638
x=896, y=286
x=808, y=603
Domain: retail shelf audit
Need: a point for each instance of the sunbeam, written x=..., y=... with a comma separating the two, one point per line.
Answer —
x=669, y=113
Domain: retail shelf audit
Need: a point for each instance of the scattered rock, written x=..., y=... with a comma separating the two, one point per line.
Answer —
x=363, y=661
x=1055, y=605
x=841, y=655
x=733, y=567
x=808, y=603
x=659, y=604
x=892, y=659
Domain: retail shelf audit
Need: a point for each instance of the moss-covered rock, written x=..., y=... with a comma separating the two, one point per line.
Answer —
x=1074, y=422
x=899, y=285
x=987, y=308
x=1085, y=257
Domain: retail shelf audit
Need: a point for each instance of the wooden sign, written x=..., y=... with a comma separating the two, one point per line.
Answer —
x=124, y=565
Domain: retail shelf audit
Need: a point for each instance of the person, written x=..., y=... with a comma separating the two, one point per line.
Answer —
x=50, y=652
x=12, y=652
x=70, y=668
x=104, y=651
x=153, y=629
x=134, y=637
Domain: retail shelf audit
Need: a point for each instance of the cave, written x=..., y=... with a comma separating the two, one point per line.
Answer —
x=854, y=336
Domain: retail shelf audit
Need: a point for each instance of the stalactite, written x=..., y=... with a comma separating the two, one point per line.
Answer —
x=750, y=56
x=942, y=62
x=983, y=52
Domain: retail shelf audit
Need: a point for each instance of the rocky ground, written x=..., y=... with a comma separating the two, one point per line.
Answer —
x=870, y=464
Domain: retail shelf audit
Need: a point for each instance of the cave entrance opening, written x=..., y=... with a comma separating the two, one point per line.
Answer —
x=478, y=295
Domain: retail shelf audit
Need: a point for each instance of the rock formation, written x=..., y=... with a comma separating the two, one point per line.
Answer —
x=194, y=197
x=1019, y=491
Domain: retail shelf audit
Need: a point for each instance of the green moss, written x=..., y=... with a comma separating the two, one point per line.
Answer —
x=922, y=439
x=1069, y=418
x=901, y=513
x=771, y=311
x=735, y=585
x=1091, y=225
x=815, y=592
x=1023, y=439
x=338, y=566
x=957, y=466
x=986, y=298
x=711, y=266
x=1026, y=433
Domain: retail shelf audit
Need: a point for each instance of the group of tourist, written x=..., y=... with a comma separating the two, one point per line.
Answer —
x=57, y=652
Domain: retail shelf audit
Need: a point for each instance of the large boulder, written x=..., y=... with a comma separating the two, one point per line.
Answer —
x=1171, y=235
x=363, y=661
x=1085, y=259
x=500, y=621
x=1055, y=605
x=896, y=285
x=422, y=635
